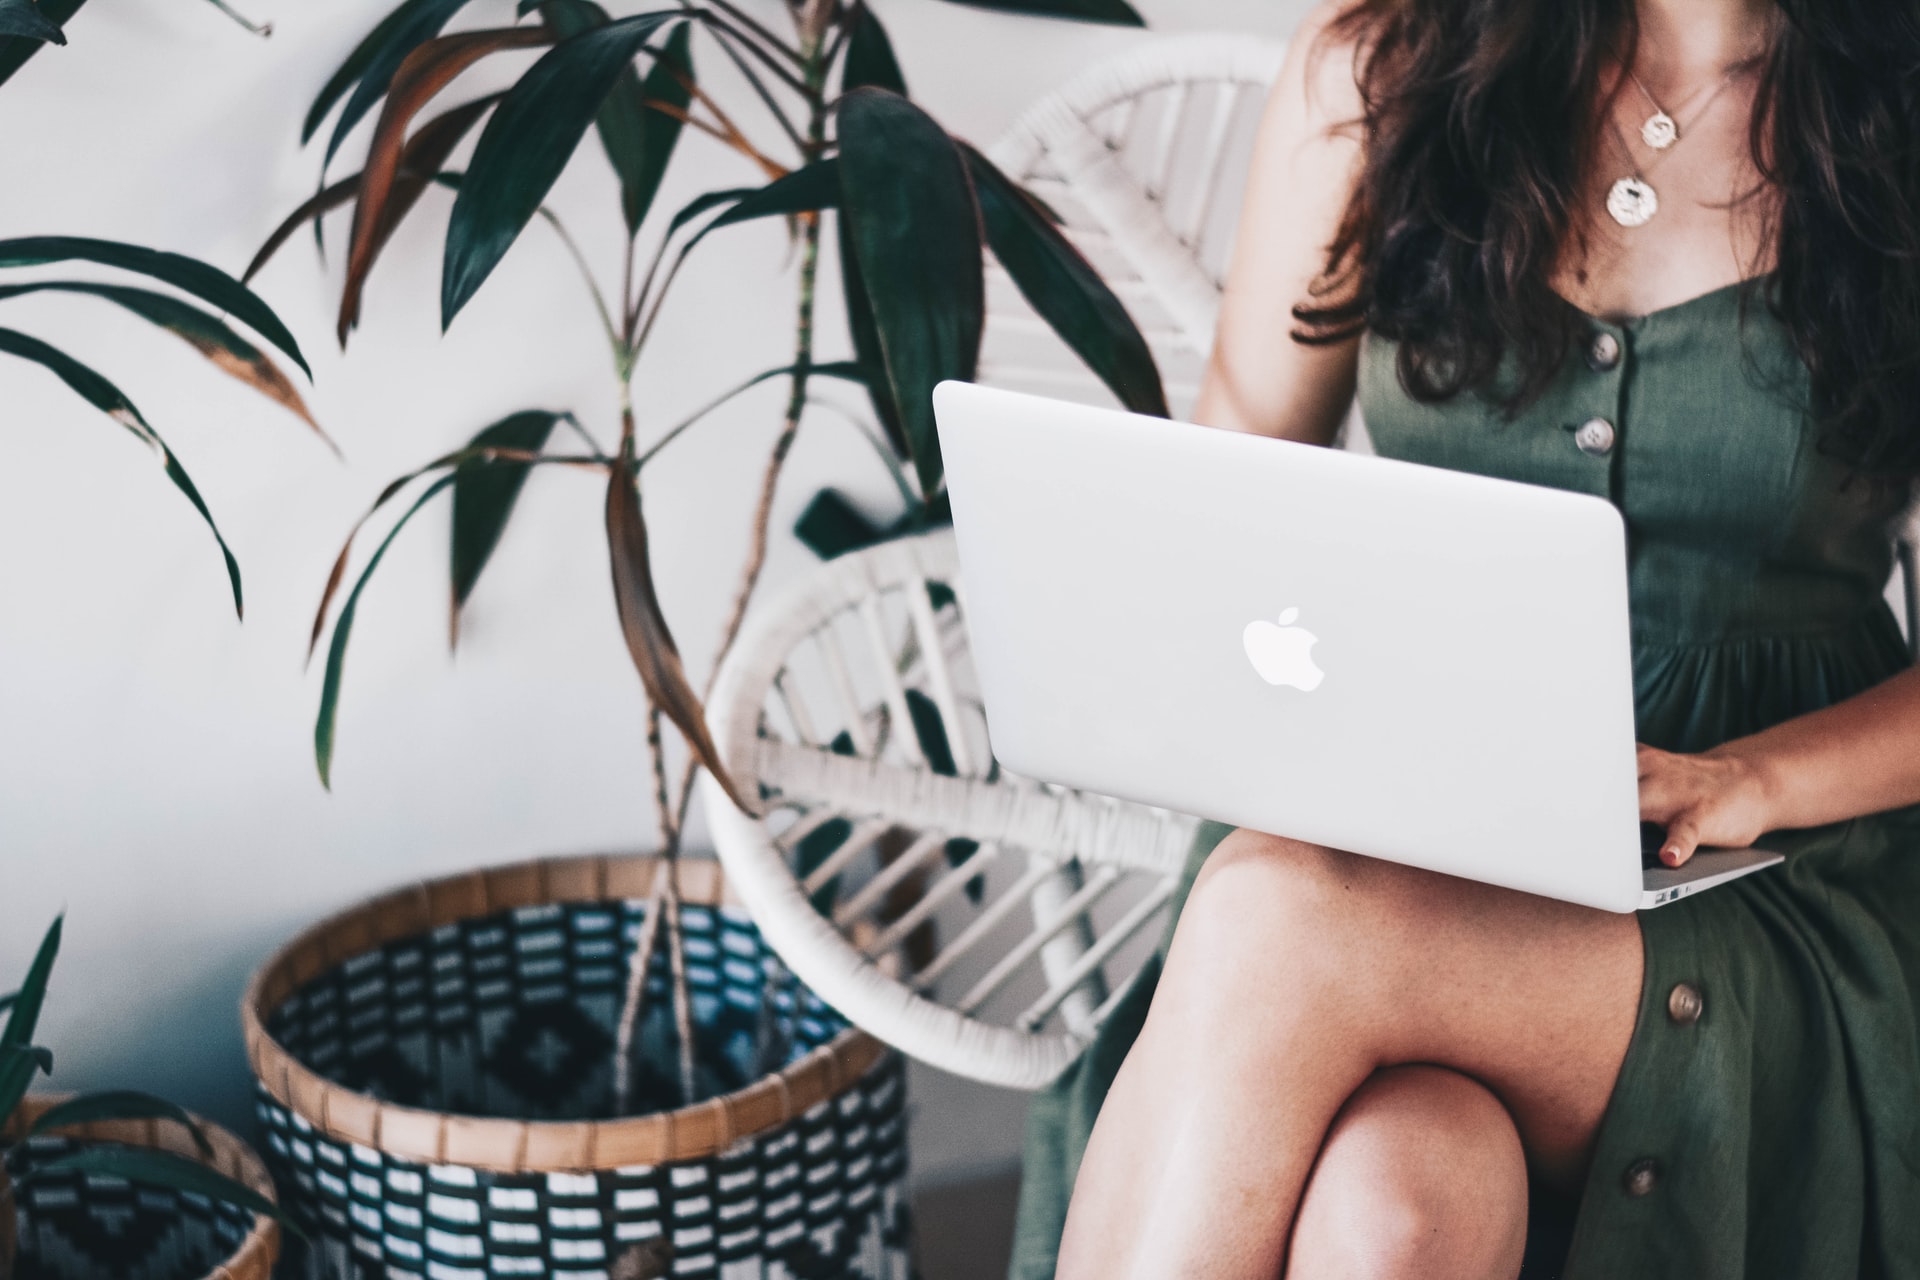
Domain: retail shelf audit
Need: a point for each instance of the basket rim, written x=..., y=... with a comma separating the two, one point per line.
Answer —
x=500, y=1144
x=257, y=1253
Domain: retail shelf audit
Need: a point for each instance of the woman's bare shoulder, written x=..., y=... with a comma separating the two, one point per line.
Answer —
x=1319, y=83
x=1306, y=158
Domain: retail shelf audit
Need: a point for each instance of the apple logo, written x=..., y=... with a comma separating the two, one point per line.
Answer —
x=1282, y=653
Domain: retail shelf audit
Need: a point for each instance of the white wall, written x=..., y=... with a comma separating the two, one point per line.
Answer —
x=156, y=776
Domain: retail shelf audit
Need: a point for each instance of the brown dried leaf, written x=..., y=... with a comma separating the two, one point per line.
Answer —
x=645, y=628
x=425, y=72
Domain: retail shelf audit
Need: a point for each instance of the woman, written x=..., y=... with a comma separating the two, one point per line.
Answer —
x=1667, y=252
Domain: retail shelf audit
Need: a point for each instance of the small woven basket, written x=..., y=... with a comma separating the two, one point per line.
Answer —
x=86, y=1227
x=435, y=1073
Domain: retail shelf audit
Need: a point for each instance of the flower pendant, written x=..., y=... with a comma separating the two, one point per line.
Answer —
x=1632, y=202
x=1660, y=131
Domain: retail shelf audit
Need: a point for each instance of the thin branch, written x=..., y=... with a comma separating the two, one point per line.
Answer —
x=769, y=478
x=580, y=430
x=766, y=96
x=668, y=437
x=586, y=274
x=785, y=76
x=726, y=133
x=682, y=998
x=796, y=408
x=750, y=23
x=639, y=966
x=254, y=28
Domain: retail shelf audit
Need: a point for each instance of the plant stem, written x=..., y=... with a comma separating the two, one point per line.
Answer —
x=796, y=406
x=639, y=964
x=773, y=41
x=593, y=288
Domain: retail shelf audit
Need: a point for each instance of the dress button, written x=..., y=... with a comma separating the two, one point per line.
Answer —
x=1684, y=1004
x=1603, y=353
x=1595, y=437
x=1641, y=1176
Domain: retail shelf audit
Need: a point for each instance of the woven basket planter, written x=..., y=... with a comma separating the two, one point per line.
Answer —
x=77, y=1227
x=435, y=1073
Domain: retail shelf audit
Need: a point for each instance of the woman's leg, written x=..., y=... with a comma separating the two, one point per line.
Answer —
x=1421, y=1178
x=1295, y=974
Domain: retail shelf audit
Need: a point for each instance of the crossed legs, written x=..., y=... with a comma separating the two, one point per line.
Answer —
x=1346, y=1071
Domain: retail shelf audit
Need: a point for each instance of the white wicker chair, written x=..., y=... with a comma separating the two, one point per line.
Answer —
x=995, y=958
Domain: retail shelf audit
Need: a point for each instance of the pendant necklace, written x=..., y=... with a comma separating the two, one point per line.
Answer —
x=1632, y=201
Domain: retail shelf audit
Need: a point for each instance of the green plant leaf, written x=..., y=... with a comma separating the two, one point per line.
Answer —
x=870, y=59
x=349, y=73
x=430, y=68
x=484, y=491
x=25, y=1015
x=373, y=64
x=207, y=283
x=15, y=50
x=931, y=733
x=808, y=189
x=420, y=162
x=107, y=398
x=23, y=18
x=151, y=1168
x=323, y=726
x=814, y=849
x=532, y=135
x=41, y=1055
x=7, y=1000
x=1065, y=290
x=19, y=1064
x=639, y=139
x=831, y=526
x=865, y=335
x=915, y=228
x=1116, y=12
x=644, y=626
x=205, y=333
x=706, y=203
x=118, y=1104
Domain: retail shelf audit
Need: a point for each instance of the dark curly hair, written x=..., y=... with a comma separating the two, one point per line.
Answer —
x=1481, y=118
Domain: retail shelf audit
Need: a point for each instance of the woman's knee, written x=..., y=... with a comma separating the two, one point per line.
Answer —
x=1421, y=1175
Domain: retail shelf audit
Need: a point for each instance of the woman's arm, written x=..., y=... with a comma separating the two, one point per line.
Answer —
x=1855, y=757
x=1304, y=162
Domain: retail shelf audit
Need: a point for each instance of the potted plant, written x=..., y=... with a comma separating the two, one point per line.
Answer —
x=842, y=148
x=110, y=1184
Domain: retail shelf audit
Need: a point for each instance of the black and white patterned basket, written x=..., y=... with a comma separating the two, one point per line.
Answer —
x=75, y=1226
x=435, y=1074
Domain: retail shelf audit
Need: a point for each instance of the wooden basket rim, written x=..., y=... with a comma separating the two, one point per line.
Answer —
x=255, y=1257
x=497, y=1144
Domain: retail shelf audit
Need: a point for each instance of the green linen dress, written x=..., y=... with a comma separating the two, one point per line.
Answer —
x=1770, y=1129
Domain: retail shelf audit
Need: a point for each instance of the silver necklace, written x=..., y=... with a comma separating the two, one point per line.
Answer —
x=1632, y=201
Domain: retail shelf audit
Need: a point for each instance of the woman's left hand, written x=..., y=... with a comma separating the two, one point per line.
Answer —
x=1715, y=798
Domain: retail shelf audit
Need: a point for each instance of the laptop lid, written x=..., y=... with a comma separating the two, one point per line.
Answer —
x=1402, y=661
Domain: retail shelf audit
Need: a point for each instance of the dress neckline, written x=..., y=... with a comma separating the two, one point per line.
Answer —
x=1684, y=304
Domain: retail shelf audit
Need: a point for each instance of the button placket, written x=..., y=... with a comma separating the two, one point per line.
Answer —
x=1604, y=352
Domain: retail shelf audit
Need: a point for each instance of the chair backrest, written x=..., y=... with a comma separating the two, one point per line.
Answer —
x=1144, y=159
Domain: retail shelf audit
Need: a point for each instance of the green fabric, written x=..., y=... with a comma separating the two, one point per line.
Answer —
x=1785, y=1123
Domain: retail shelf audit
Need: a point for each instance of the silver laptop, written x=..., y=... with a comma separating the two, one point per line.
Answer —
x=1397, y=660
